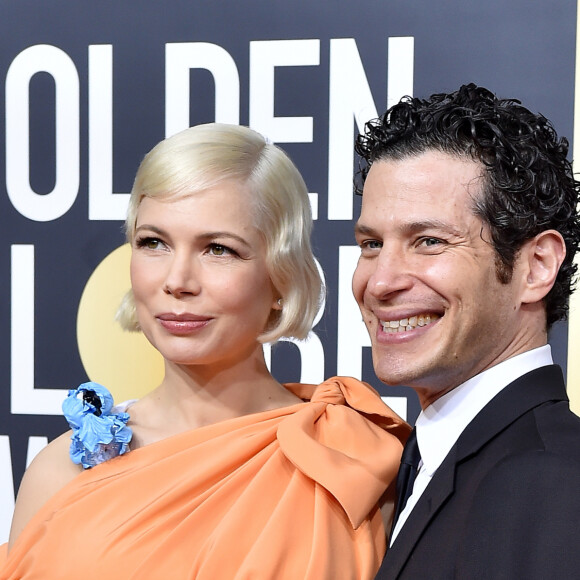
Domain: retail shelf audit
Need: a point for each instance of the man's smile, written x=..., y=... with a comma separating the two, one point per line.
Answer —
x=410, y=323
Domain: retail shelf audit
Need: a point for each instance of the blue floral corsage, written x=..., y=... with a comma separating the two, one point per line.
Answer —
x=98, y=435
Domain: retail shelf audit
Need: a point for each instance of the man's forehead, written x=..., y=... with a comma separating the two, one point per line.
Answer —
x=432, y=178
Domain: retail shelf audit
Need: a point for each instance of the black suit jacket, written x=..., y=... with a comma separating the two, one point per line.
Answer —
x=505, y=502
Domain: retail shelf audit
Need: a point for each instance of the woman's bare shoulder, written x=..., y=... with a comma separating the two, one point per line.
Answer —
x=49, y=472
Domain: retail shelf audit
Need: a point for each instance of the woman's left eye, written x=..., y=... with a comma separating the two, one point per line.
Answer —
x=219, y=250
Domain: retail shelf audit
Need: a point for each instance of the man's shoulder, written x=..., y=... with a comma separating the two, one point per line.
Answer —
x=539, y=450
x=538, y=444
x=550, y=429
x=529, y=413
x=559, y=429
x=536, y=467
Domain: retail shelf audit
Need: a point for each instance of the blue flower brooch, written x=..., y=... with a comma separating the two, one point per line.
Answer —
x=98, y=434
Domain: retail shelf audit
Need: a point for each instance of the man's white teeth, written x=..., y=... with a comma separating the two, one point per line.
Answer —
x=406, y=324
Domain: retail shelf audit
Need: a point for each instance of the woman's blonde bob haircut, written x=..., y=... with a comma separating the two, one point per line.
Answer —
x=203, y=156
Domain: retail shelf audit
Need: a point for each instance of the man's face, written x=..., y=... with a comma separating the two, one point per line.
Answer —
x=426, y=281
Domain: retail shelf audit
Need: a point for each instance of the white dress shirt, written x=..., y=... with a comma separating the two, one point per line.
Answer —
x=441, y=423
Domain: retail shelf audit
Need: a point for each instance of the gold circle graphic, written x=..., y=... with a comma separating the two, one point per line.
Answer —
x=124, y=362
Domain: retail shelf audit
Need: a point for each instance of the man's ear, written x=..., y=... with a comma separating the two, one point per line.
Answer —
x=541, y=258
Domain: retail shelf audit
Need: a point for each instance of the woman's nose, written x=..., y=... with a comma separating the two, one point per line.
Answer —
x=182, y=278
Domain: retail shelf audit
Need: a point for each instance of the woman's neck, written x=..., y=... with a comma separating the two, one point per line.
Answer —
x=193, y=396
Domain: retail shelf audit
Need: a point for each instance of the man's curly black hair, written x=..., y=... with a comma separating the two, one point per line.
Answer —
x=528, y=184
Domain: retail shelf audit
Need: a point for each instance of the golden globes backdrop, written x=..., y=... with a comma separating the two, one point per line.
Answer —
x=90, y=87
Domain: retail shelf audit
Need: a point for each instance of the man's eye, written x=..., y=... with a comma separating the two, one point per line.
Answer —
x=430, y=242
x=371, y=245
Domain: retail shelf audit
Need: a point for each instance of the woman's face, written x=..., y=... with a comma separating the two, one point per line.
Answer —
x=198, y=269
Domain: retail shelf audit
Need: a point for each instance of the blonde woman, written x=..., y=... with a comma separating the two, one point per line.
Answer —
x=221, y=471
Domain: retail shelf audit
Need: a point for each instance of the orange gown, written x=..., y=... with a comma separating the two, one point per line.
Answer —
x=286, y=494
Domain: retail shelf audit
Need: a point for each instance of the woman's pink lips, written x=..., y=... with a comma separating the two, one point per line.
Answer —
x=182, y=323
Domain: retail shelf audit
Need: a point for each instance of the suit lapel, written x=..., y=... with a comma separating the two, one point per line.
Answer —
x=525, y=393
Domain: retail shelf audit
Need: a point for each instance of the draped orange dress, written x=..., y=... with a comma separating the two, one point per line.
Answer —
x=286, y=494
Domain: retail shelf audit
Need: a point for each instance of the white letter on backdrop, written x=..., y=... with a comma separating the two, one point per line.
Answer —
x=25, y=399
x=55, y=62
x=265, y=56
x=311, y=357
x=180, y=58
x=350, y=96
x=6, y=489
x=401, y=67
x=350, y=100
x=103, y=203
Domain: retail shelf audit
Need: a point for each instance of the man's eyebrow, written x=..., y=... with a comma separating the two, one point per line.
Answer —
x=363, y=230
x=429, y=224
x=412, y=227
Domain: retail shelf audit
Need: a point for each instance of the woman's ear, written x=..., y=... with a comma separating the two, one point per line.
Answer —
x=541, y=258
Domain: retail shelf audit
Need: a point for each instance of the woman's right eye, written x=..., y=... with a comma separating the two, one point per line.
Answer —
x=149, y=243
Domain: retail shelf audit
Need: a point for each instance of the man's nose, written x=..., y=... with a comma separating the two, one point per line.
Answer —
x=391, y=274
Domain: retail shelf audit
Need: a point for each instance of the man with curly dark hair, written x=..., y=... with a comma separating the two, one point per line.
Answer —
x=468, y=231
